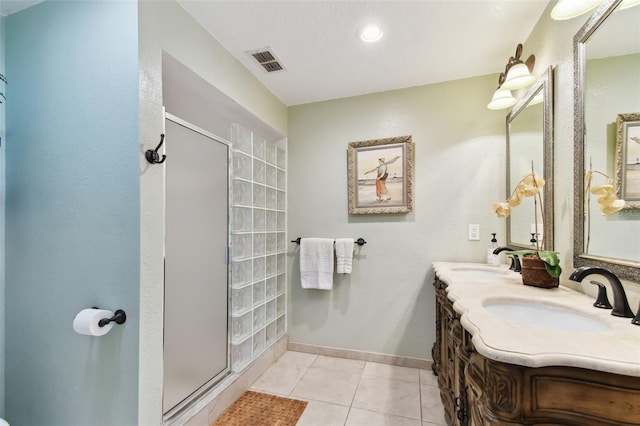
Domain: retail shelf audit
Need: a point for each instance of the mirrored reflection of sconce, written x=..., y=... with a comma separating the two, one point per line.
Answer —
x=516, y=75
x=568, y=9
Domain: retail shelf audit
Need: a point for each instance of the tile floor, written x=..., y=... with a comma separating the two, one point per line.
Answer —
x=352, y=393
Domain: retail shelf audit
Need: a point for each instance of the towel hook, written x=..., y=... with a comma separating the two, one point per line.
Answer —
x=152, y=154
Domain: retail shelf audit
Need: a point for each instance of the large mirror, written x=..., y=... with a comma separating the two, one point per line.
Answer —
x=530, y=147
x=607, y=99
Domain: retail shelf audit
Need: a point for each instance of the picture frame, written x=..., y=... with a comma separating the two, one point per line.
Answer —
x=380, y=176
x=627, y=176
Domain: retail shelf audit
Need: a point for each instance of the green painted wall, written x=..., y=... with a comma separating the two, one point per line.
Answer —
x=72, y=212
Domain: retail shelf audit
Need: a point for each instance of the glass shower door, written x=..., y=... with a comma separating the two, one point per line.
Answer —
x=196, y=348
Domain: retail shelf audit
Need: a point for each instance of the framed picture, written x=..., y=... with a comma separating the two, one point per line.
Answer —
x=628, y=159
x=380, y=176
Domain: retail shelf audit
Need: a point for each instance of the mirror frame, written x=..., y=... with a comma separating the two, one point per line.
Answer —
x=544, y=83
x=625, y=269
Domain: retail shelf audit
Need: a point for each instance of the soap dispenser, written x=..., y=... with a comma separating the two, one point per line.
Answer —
x=492, y=259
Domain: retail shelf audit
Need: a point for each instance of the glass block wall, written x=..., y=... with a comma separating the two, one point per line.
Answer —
x=258, y=246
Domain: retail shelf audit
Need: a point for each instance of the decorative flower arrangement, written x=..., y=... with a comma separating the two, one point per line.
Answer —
x=530, y=186
x=608, y=204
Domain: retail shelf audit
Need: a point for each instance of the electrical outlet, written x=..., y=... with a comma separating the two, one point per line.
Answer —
x=474, y=232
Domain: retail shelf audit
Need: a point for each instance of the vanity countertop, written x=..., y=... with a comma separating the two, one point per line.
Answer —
x=471, y=285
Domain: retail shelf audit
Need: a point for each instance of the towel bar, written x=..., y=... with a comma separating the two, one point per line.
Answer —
x=360, y=241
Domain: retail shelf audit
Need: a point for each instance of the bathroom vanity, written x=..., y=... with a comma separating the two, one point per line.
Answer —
x=509, y=354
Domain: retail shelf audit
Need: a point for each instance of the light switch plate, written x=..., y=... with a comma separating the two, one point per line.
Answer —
x=474, y=232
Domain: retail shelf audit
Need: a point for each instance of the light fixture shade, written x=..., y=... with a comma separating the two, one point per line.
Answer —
x=518, y=77
x=626, y=4
x=567, y=9
x=502, y=99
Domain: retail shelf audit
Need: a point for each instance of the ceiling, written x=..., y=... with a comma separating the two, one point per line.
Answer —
x=425, y=41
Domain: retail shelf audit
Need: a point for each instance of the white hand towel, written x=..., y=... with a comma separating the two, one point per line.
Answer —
x=344, y=255
x=316, y=263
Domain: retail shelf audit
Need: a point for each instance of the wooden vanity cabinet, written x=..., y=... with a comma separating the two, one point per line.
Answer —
x=450, y=353
x=479, y=391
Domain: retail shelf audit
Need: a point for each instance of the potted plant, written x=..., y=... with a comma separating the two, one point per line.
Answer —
x=540, y=268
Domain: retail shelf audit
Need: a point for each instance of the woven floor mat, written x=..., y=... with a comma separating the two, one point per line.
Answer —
x=261, y=409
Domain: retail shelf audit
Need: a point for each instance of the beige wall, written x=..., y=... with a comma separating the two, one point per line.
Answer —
x=386, y=304
x=165, y=26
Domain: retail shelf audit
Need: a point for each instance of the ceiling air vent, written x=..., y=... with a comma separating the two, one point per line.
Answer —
x=267, y=59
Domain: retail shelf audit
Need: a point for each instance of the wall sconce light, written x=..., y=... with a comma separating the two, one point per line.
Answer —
x=516, y=75
x=567, y=9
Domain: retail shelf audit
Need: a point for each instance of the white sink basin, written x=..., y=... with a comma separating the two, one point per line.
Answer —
x=542, y=315
x=479, y=270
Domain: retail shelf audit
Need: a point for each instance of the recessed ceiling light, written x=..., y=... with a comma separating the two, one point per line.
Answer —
x=371, y=33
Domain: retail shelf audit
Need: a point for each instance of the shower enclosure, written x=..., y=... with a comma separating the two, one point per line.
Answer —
x=197, y=187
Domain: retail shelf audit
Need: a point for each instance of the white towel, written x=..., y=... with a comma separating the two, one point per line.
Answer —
x=316, y=263
x=344, y=255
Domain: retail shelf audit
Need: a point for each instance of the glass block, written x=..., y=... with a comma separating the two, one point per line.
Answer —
x=259, y=146
x=241, y=355
x=242, y=194
x=241, y=273
x=271, y=175
x=271, y=288
x=281, y=200
x=271, y=198
x=258, y=244
x=282, y=241
x=282, y=179
x=270, y=155
x=241, y=327
x=241, y=246
x=271, y=266
x=282, y=263
x=282, y=283
x=241, y=138
x=272, y=243
x=258, y=268
x=259, y=171
x=281, y=326
x=259, y=317
x=280, y=305
x=282, y=221
x=242, y=219
x=258, y=220
x=259, y=342
x=271, y=218
x=270, y=311
x=242, y=166
x=258, y=293
x=270, y=334
x=258, y=195
x=241, y=300
x=282, y=158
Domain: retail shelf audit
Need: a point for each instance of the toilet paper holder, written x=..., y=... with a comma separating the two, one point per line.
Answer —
x=119, y=317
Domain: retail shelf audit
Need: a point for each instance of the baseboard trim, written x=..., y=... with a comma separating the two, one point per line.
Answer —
x=361, y=355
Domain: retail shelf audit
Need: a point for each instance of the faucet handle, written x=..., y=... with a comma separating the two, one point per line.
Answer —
x=602, y=301
x=636, y=319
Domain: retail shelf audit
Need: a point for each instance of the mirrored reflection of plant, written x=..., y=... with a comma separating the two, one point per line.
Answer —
x=608, y=204
x=529, y=186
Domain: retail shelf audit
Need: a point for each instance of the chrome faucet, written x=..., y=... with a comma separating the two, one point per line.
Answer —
x=620, y=304
x=515, y=262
